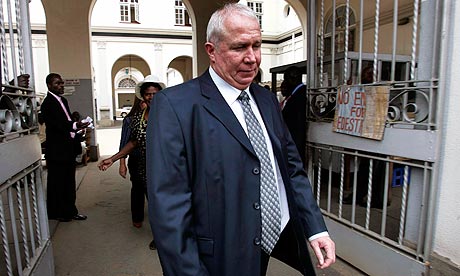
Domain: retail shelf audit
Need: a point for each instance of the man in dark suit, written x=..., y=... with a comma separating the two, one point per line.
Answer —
x=60, y=152
x=214, y=146
x=294, y=107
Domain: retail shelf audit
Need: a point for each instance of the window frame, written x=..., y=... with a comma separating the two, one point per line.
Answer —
x=257, y=7
x=129, y=11
x=181, y=16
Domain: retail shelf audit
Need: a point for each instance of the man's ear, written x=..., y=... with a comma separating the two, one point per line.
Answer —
x=211, y=51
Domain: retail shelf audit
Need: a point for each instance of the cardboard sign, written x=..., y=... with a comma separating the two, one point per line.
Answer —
x=361, y=111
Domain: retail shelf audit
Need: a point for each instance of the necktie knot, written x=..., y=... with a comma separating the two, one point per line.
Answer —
x=243, y=97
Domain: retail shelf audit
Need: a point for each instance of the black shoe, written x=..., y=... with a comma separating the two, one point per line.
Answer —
x=79, y=217
x=152, y=245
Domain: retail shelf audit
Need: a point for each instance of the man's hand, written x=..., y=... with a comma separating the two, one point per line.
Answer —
x=326, y=244
x=81, y=125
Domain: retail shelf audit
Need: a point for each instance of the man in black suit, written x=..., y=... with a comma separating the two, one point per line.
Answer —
x=214, y=146
x=294, y=107
x=60, y=152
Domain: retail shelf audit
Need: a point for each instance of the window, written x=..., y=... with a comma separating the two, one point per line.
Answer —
x=129, y=11
x=257, y=8
x=340, y=24
x=181, y=14
x=127, y=83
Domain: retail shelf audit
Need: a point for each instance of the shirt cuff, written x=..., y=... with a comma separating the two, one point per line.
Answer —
x=319, y=235
x=74, y=125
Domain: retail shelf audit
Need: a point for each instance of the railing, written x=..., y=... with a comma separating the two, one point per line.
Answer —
x=370, y=193
x=23, y=221
x=25, y=239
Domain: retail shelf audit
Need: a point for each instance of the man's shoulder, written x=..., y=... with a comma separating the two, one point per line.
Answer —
x=47, y=100
x=186, y=90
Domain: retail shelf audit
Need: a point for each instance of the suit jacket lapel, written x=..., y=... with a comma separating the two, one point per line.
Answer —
x=218, y=107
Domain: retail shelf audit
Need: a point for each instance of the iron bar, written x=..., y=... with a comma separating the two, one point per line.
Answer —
x=342, y=176
x=14, y=230
x=395, y=37
x=369, y=193
x=376, y=39
x=414, y=40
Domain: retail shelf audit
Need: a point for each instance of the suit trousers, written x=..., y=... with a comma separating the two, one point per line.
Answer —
x=61, y=189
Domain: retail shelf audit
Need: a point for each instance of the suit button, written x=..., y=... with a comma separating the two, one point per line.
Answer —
x=257, y=241
x=256, y=206
x=255, y=171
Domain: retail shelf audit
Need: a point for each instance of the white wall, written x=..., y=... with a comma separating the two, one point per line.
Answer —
x=152, y=14
x=447, y=223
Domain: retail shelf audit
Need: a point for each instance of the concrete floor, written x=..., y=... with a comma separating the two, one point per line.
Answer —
x=107, y=244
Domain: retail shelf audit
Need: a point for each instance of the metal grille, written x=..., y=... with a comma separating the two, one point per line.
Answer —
x=383, y=209
x=380, y=189
x=18, y=105
x=23, y=220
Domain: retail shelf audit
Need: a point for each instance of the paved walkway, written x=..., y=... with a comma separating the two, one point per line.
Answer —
x=107, y=244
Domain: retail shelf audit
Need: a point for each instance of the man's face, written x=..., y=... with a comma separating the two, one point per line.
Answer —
x=284, y=89
x=56, y=86
x=236, y=58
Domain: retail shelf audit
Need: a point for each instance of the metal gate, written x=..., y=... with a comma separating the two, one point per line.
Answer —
x=377, y=195
x=25, y=247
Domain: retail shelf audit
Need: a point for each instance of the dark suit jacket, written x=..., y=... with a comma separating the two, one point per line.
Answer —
x=294, y=114
x=203, y=183
x=60, y=146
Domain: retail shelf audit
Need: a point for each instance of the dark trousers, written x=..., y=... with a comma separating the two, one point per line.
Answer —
x=61, y=193
x=138, y=192
x=378, y=182
x=287, y=253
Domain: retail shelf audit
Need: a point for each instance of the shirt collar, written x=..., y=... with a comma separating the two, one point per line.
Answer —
x=297, y=88
x=227, y=91
x=55, y=95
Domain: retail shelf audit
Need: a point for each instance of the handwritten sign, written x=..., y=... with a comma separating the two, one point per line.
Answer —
x=361, y=111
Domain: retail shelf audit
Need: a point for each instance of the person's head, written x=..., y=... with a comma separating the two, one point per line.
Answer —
x=55, y=83
x=23, y=80
x=283, y=88
x=148, y=90
x=258, y=78
x=75, y=116
x=233, y=44
x=148, y=87
x=292, y=78
x=367, y=75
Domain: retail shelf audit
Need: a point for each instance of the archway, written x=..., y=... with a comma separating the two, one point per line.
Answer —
x=183, y=65
x=127, y=71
